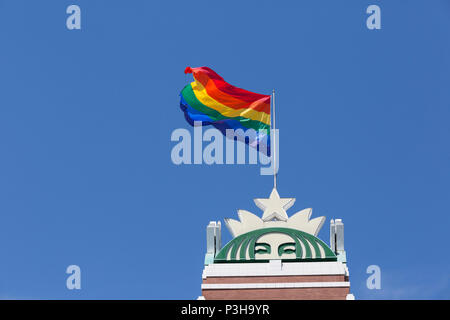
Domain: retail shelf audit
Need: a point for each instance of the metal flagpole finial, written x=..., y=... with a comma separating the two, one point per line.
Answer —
x=274, y=143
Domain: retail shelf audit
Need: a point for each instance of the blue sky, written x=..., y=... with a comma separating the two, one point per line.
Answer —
x=86, y=116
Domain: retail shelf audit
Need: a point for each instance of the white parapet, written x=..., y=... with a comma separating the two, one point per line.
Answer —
x=332, y=236
x=274, y=285
x=213, y=241
x=279, y=269
x=210, y=235
x=337, y=239
x=339, y=235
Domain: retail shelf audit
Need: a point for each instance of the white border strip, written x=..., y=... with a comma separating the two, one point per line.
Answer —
x=267, y=269
x=276, y=285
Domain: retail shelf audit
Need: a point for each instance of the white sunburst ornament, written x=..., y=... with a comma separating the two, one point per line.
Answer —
x=274, y=216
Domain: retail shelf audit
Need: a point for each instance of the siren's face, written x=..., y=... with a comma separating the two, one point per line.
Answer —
x=275, y=246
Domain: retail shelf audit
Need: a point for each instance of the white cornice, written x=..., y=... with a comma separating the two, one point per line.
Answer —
x=272, y=269
x=277, y=285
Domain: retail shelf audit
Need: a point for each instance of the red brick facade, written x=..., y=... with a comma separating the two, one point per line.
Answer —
x=277, y=294
x=307, y=293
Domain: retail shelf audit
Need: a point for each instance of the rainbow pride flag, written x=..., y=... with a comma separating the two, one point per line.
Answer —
x=213, y=101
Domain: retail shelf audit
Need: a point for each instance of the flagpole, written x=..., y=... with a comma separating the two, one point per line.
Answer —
x=274, y=143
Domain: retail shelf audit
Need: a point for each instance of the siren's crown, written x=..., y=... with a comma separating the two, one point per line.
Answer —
x=274, y=216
